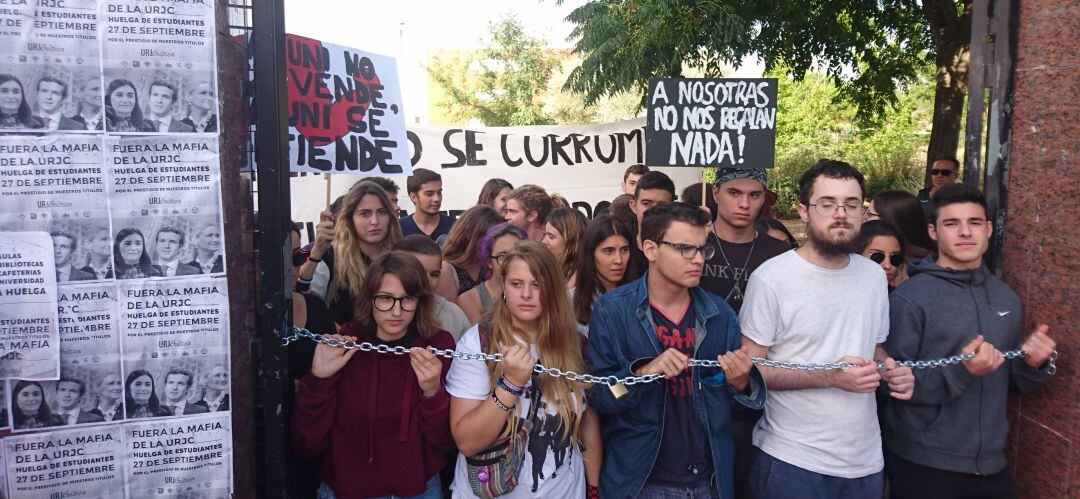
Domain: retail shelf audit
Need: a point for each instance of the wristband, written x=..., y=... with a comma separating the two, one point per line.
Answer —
x=592, y=492
x=499, y=403
x=313, y=259
x=503, y=383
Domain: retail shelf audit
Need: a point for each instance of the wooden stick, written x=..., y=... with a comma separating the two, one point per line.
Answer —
x=327, y=175
x=704, y=187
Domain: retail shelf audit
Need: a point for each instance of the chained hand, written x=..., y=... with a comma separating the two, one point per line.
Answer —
x=863, y=378
x=1038, y=346
x=987, y=358
x=328, y=360
x=900, y=379
x=517, y=364
x=428, y=370
x=668, y=364
x=736, y=365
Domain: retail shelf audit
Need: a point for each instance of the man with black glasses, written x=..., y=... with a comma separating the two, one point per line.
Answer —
x=943, y=171
x=820, y=304
x=670, y=438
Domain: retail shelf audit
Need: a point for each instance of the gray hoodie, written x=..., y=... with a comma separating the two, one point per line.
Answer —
x=955, y=421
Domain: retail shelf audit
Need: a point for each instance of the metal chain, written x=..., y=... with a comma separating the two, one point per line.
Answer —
x=297, y=334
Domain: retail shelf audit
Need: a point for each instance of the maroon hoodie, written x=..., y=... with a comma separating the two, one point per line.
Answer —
x=377, y=433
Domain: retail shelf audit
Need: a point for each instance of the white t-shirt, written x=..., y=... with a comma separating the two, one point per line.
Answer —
x=559, y=470
x=450, y=317
x=806, y=313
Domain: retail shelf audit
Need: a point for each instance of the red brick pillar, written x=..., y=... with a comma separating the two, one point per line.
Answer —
x=1042, y=238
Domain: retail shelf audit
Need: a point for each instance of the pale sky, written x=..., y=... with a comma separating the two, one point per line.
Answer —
x=410, y=29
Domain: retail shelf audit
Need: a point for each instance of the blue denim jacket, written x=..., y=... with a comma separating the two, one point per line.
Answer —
x=622, y=336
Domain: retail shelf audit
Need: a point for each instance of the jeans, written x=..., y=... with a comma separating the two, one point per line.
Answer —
x=433, y=491
x=771, y=478
x=703, y=491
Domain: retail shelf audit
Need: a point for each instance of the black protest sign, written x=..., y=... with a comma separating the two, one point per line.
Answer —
x=723, y=122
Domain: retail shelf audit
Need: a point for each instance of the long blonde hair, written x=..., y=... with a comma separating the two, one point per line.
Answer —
x=349, y=267
x=557, y=339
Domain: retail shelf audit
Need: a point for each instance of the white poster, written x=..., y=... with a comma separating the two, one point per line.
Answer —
x=175, y=346
x=87, y=462
x=29, y=335
x=582, y=163
x=159, y=65
x=345, y=111
x=189, y=457
x=165, y=194
x=50, y=66
x=56, y=184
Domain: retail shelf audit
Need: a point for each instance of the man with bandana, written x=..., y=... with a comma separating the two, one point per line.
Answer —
x=740, y=196
x=822, y=303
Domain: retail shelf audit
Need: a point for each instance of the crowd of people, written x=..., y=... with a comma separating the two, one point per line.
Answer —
x=653, y=288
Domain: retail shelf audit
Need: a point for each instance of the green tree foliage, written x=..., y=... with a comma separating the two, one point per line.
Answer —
x=870, y=50
x=502, y=84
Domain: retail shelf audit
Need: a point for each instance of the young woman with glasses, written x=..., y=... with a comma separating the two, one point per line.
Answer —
x=531, y=321
x=494, y=246
x=381, y=421
x=882, y=243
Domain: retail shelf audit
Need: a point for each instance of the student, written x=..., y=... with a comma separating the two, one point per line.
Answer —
x=527, y=208
x=100, y=262
x=494, y=246
x=110, y=396
x=14, y=110
x=943, y=171
x=177, y=384
x=530, y=322
x=603, y=259
x=208, y=258
x=495, y=193
x=389, y=186
x=948, y=440
x=631, y=177
x=448, y=316
x=29, y=409
x=882, y=244
x=363, y=228
x=215, y=389
x=381, y=421
x=621, y=212
x=90, y=115
x=671, y=438
x=562, y=235
x=130, y=258
x=167, y=246
x=654, y=188
x=820, y=303
x=122, y=110
x=69, y=393
x=901, y=210
x=51, y=93
x=162, y=99
x=64, y=246
x=462, y=248
x=425, y=192
x=202, y=102
x=774, y=228
x=140, y=399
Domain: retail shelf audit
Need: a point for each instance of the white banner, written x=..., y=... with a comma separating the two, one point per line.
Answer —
x=29, y=334
x=583, y=163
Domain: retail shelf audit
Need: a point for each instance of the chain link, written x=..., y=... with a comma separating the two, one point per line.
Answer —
x=297, y=334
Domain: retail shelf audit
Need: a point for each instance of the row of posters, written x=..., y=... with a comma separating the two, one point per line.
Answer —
x=117, y=66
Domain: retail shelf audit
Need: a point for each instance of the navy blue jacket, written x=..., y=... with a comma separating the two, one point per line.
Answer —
x=622, y=337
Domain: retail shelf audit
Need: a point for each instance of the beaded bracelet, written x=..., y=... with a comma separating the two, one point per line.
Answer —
x=499, y=403
x=503, y=383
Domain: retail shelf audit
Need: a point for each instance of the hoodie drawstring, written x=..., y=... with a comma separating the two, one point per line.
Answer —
x=373, y=388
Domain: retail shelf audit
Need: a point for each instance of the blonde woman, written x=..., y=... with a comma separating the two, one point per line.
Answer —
x=530, y=321
x=363, y=228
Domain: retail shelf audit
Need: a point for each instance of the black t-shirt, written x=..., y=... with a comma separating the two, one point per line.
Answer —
x=684, y=458
x=719, y=275
x=409, y=227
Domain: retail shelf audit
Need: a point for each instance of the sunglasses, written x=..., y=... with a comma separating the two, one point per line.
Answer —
x=895, y=259
x=942, y=173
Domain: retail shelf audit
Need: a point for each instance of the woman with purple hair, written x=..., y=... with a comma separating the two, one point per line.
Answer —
x=496, y=244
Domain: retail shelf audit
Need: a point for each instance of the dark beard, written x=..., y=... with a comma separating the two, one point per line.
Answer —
x=828, y=248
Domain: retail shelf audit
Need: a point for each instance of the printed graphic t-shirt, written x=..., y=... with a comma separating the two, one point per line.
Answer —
x=684, y=458
x=720, y=275
x=552, y=466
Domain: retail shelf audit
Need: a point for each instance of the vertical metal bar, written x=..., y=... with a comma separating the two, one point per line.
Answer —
x=271, y=156
x=973, y=129
x=999, y=125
